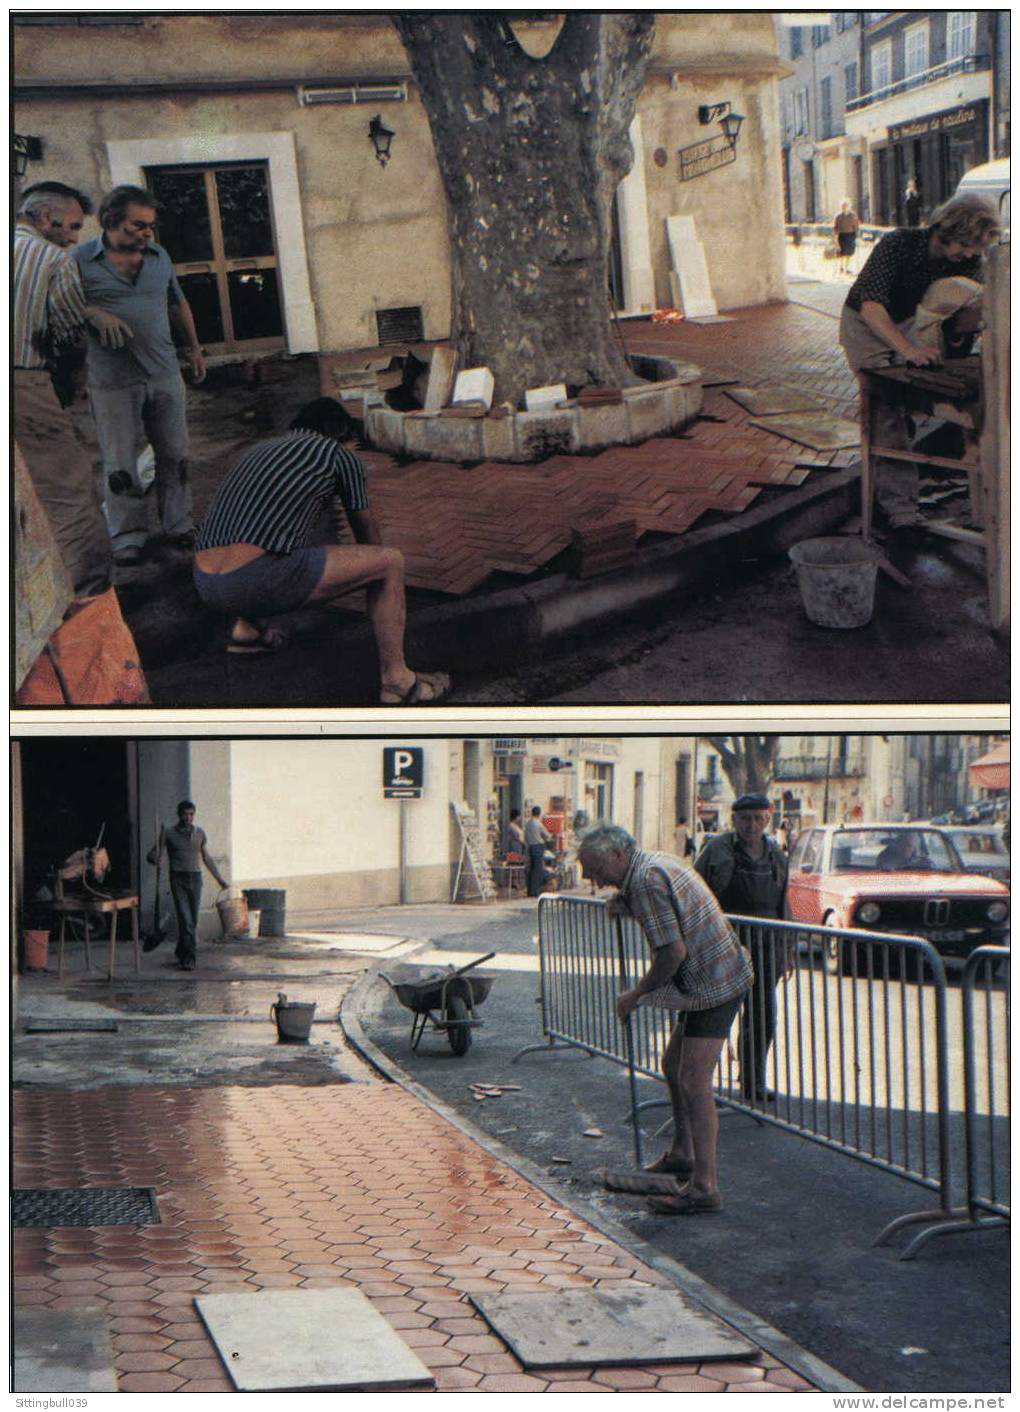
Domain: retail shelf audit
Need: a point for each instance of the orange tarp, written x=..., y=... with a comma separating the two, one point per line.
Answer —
x=91, y=660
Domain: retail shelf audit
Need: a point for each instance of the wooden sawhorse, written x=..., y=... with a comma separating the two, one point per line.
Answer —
x=90, y=909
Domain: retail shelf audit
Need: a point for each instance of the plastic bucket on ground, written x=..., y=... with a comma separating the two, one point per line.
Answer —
x=272, y=903
x=254, y=921
x=233, y=909
x=293, y=1018
x=37, y=945
x=836, y=578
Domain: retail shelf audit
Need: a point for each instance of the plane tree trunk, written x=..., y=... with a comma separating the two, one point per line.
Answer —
x=530, y=152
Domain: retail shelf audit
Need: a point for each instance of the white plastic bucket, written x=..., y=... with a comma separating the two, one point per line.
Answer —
x=254, y=922
x=836, y=578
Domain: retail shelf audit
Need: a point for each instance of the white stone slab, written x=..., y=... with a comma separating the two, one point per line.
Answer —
x=688, y=256
x=609, y=1328
x=536, y=399
x=308, y=1340
x=474, y=385
x=441, y=369
x=63, y=1350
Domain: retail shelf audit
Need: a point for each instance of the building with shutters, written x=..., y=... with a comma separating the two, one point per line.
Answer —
x=253, y=129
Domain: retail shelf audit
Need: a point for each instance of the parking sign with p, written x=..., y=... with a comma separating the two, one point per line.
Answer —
x=403, y=771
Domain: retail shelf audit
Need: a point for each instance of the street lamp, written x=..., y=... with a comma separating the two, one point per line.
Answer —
x=23, y=151
x=731, y=127
x=381, y=137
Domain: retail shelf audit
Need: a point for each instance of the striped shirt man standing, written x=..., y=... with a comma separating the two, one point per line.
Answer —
x=50, y=309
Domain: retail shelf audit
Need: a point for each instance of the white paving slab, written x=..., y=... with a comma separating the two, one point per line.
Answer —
x=309, y=1340
x=63, y=1350
x=688, y=255
x=609, y=1328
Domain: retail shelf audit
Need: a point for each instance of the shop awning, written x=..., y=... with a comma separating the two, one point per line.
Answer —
x=991, y=771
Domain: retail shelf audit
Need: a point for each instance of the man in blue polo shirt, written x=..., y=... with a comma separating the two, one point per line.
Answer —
x=137, y=392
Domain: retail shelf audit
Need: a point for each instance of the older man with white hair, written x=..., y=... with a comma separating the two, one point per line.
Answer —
x=698, y=970
x=49, y=311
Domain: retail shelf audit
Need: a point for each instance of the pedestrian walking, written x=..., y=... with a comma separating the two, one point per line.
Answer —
x=747, y=871
x=136, y=391
x=49, y=313
x=845, y=227
x=184, y=844
x=699, y=970
x=538, y=839
x=253, y=559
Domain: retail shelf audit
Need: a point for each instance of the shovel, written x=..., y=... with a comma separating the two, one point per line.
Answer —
x=157, y=934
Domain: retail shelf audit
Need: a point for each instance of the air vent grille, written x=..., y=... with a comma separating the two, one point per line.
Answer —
x=400, y=325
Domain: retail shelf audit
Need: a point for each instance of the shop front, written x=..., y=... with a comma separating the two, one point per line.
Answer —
x=936, y=150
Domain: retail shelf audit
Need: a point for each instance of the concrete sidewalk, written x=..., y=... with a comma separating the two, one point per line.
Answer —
x=318, y=1176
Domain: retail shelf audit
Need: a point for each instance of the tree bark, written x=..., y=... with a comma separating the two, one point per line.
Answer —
x=530, y=152
x=749, y=761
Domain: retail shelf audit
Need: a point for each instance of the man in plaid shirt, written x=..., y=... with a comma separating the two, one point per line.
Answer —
x=699, y=969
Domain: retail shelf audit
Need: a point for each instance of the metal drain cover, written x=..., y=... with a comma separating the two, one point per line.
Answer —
x=95, y=1206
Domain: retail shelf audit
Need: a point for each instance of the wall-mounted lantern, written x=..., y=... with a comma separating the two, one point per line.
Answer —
x=23, y=151
x=381, y=137
x=723, y=114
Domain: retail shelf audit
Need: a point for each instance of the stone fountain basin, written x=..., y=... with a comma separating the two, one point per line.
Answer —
x=670, y=397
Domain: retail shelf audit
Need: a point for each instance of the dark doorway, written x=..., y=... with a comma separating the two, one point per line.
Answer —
x=72, y=790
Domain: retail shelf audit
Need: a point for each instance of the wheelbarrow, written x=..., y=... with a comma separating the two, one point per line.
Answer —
x=447, y=998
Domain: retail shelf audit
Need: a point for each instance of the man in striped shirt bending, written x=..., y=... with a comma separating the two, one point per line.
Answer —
x=253, y=559
x=699, y=970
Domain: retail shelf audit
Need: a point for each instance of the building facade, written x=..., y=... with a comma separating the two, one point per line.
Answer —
x=925, y=108
x=287, y=233
x=879, y=96
x=822, y=163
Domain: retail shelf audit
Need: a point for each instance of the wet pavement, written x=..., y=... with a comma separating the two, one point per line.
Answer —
x=283, y=1166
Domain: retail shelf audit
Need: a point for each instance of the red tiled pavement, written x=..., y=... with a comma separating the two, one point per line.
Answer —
x=457, y=526
x=354, y=1186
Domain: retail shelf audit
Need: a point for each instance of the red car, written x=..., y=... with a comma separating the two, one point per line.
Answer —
x=904, y=878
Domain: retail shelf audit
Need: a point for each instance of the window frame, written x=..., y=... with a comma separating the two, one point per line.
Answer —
x=883, y=48
x=911, y=34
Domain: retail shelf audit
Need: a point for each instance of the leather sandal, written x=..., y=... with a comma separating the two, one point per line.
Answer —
x=436, y=684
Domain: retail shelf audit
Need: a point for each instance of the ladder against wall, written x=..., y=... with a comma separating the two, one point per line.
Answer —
x=473, y=870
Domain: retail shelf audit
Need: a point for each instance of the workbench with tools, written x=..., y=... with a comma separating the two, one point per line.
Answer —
x=972, y=394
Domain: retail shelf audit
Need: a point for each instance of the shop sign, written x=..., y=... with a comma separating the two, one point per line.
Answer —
x=705, y=156
x=601, y=747
x=937, y=122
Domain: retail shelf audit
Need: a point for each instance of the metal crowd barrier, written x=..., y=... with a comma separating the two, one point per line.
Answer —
x=986, y=1104
x=855, y=1029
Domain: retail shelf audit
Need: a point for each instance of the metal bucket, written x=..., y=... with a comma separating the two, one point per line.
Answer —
x=272, y=903
x=836, y=578
x=293, y=1019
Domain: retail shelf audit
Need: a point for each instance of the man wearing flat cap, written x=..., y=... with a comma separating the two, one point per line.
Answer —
x=747, y=871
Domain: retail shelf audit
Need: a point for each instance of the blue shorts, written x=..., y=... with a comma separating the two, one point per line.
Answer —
x=272, y=583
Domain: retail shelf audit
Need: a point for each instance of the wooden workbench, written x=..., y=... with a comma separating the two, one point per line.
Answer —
x=973, y=393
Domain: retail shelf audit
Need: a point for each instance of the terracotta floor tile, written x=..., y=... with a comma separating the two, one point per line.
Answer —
x=220, y=1384
x=148, y=1382
x=441, y=1357
x=512, y=1382
x=456, y=1379
x=208, y=1367
x=138, y=1343
x=787, y=1378
x=733, y=1372
x=625, y=1379
x=492, y=1363
x=576, y=1386
x=136, y=1325
x=689, y=1382
x=151, y=1361
x=35, y=1298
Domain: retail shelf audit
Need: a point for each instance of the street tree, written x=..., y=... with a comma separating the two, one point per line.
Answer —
x=531, y=151
x=748, y=761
